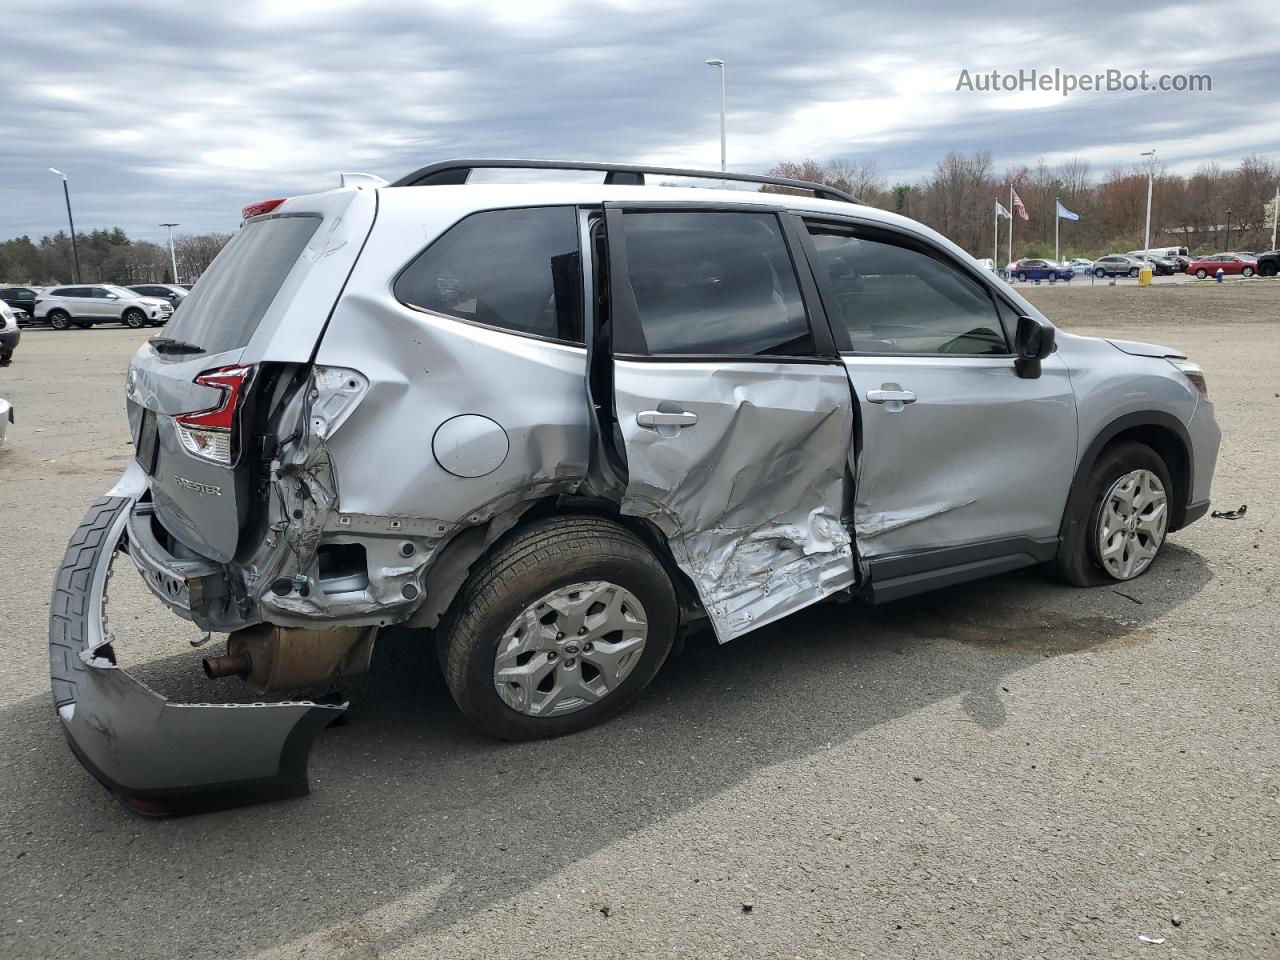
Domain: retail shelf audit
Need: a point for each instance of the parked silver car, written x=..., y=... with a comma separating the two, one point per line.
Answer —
x=558, y=425
x=9, y=334
x=84, y=305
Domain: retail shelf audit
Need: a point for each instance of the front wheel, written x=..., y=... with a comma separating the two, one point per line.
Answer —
x=560, y=628
x=135, y=319
x=1247, y=272
x=1022, y=277
x=59, y=319
x=1201, y=273
x=1118, y=524
x=1133, y=272
x=1100, y=273
x=1053, y=277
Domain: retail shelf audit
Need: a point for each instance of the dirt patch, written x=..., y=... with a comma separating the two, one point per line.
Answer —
x=1190, y=304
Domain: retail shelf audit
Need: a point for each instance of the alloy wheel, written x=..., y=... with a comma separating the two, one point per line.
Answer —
x=1132, y=524
x=570, y=649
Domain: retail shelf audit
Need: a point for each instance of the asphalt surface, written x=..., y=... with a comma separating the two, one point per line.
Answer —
x=1011, y=768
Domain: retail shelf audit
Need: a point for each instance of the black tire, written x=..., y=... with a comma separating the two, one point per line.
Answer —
x=1201, y=273
x=1053, y=276
x=550, y=553
x=1268, y=269
x=1133, y=272
x=1100, y=273
x=1022, y=276
x=59, y=319
x=1247, y=272
x=1077, y=560
x=134, y=319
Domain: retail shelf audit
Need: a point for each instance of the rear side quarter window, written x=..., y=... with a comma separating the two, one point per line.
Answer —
x=517, y=270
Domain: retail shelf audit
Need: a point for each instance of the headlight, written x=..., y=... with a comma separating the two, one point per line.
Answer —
x=1195, y=373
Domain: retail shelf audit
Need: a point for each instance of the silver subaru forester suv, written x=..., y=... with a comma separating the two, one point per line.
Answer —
x=555, y=426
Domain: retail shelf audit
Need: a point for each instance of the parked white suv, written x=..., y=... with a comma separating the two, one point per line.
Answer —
x=554, y=426
x=83, y=306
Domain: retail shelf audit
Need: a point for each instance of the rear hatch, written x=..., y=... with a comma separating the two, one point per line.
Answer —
x=261, y=307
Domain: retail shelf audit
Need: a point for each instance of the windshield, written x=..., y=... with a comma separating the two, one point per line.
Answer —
x=222, y=312
x=124, y=293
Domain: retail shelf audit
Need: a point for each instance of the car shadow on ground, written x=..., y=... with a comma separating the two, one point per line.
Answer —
x=407, y=798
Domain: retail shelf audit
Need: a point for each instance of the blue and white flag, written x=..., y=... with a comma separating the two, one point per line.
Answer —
x=1064, y=213
x=1002, y=212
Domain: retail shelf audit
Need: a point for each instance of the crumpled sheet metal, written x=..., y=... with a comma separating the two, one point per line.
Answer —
x=750, y=497
x=157, y=756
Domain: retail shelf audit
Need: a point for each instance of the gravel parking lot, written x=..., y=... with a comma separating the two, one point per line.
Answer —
x=1010, y=768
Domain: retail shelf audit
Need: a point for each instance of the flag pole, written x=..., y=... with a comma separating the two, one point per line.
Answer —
x=1010, y=223
x=1056, y=218
x=995, y=236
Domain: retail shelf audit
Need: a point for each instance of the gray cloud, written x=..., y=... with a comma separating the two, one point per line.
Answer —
x=163, y=113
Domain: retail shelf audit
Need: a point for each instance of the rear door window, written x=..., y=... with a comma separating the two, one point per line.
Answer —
x=233, y=295
x=715, y=283
x=516, y=269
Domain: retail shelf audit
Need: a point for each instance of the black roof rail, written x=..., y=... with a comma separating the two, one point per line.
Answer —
x=459, y=171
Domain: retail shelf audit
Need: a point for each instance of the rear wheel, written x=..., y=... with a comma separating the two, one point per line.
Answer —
x=1120, y=521
x=1267, y=269
x=560, y=628
x=59, y=319
x=134, y=318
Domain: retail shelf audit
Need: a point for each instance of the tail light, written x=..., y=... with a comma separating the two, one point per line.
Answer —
x=211, y=433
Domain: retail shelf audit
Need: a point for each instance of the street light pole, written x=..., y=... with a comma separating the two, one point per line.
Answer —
x=173, y=258
x=1275, y=216
x=720, y=64
x=66, y=193
x=1151, y=172
x=1227, y=246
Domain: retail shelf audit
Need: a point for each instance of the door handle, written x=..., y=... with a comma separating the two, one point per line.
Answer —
x=660, y=418
x=889, y=396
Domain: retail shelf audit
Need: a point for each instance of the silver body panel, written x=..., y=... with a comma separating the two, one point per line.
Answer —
x=979, y=453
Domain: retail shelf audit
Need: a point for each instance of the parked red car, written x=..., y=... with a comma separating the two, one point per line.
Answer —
x=1228, y=263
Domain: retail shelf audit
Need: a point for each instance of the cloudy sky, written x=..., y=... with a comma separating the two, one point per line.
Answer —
x=163, y=113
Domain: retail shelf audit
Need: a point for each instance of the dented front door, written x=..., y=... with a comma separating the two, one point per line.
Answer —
x=956, y=447
x=735, y=427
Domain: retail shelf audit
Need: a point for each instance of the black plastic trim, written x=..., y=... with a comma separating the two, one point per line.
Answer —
x=906, y=574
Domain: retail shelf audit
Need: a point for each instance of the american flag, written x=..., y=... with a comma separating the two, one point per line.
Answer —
x=1017, y=205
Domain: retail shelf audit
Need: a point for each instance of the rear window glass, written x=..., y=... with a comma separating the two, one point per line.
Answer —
x=515, y=269
x=225, y=307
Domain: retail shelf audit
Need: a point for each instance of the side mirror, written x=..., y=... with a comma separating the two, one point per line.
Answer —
x=1032, y=343
x=113, y=296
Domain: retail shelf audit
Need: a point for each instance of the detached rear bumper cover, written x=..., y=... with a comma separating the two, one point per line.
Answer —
x=159, y=757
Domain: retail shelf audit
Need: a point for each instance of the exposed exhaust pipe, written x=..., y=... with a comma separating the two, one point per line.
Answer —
x=230, y=665
x=293, y=658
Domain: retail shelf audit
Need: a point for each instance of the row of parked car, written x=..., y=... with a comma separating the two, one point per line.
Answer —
x=83, y=305
x=1163, y=263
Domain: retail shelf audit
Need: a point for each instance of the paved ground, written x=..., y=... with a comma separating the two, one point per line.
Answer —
x=1009, y=769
